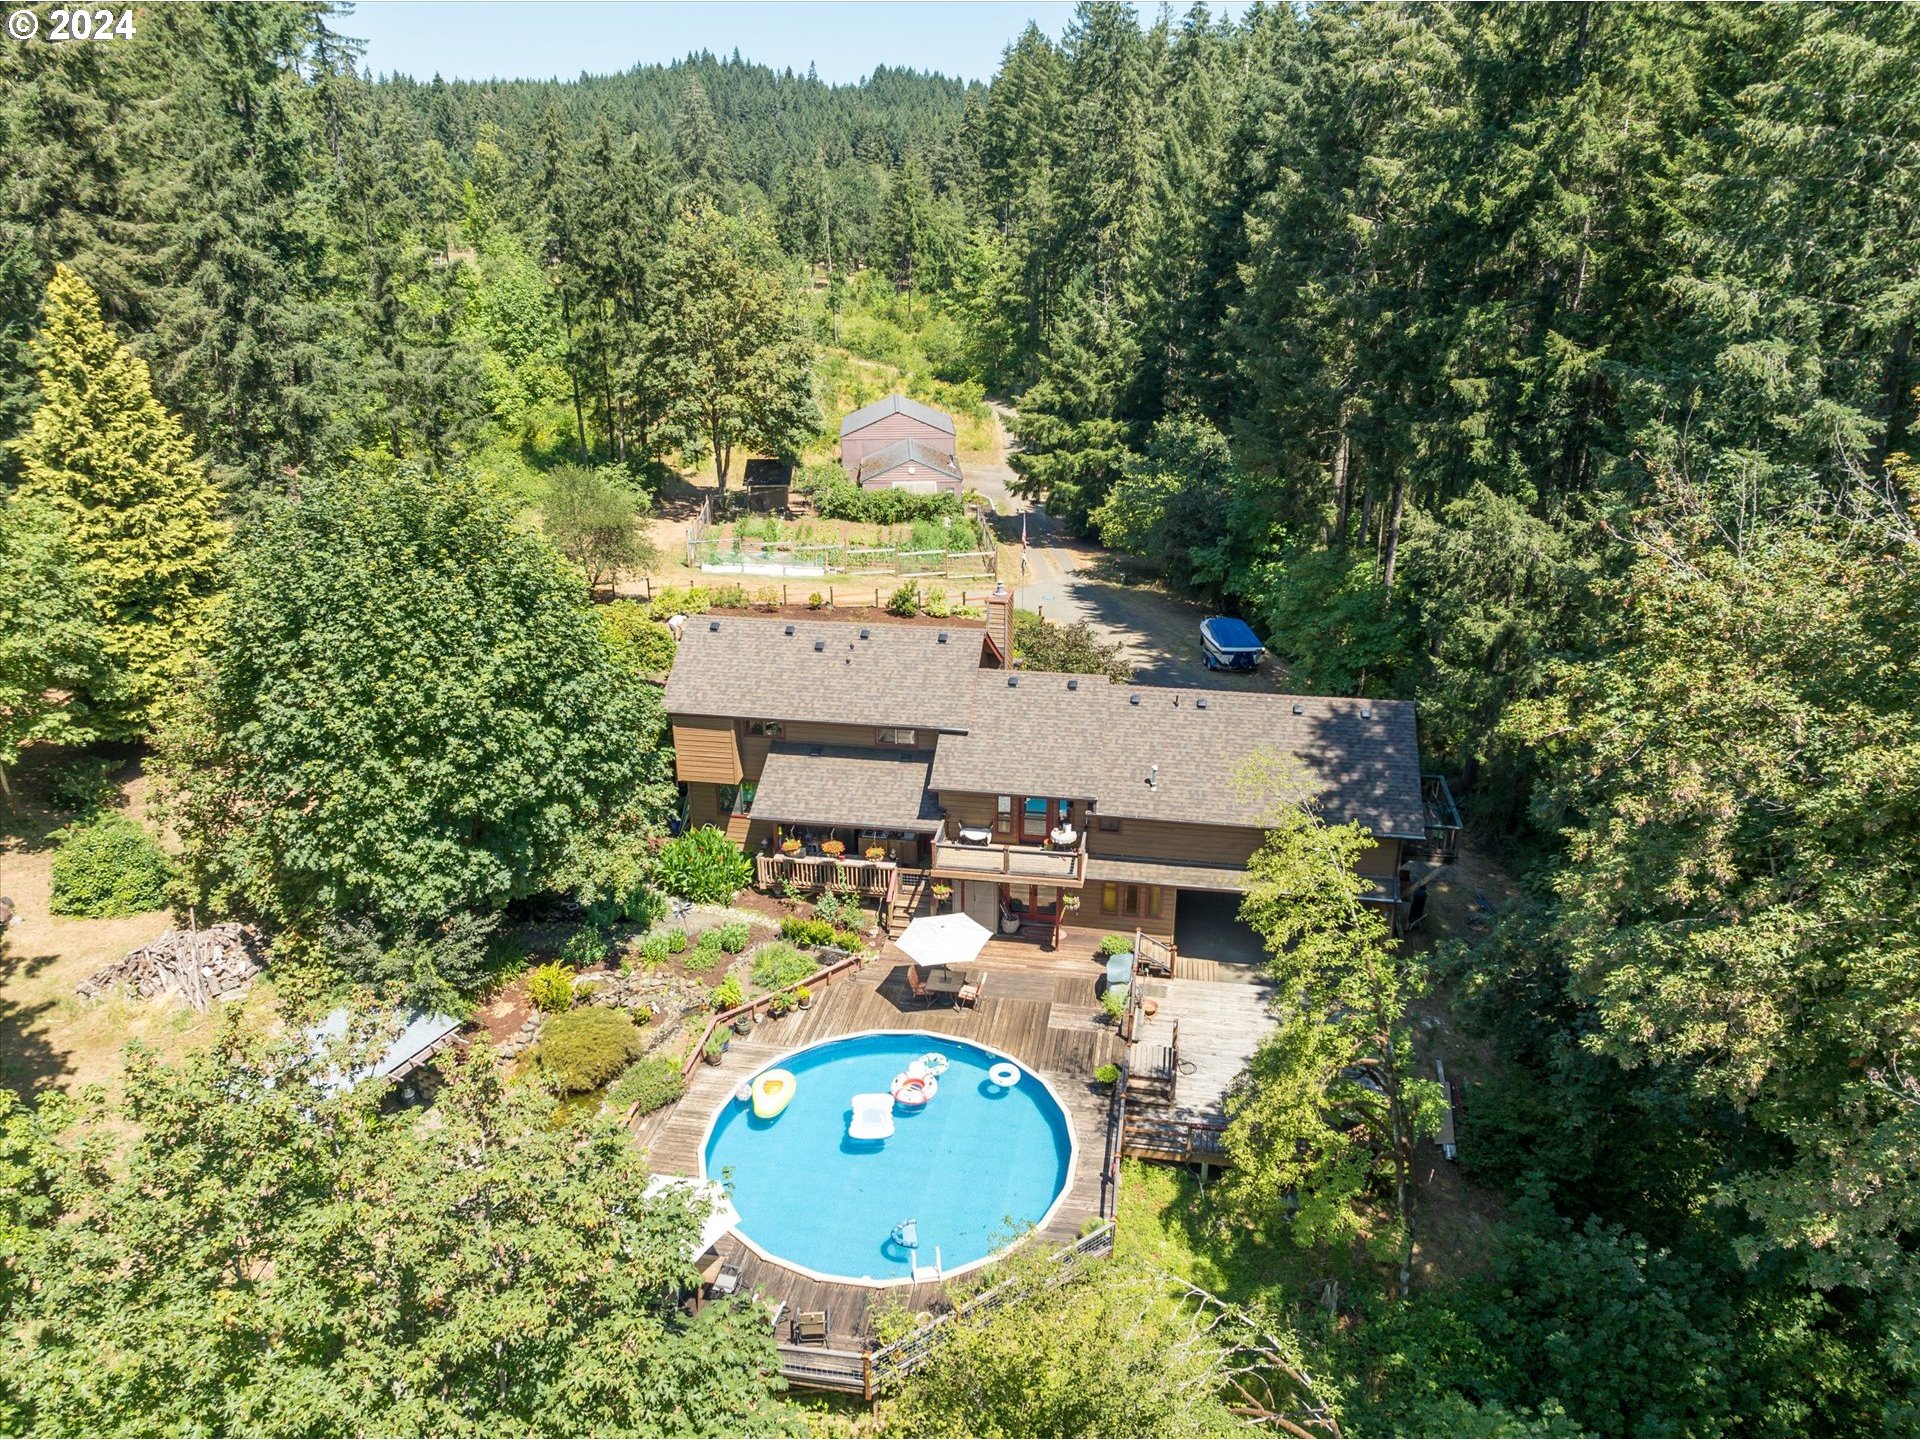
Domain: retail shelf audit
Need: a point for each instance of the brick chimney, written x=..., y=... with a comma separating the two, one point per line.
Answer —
x=1000, y=623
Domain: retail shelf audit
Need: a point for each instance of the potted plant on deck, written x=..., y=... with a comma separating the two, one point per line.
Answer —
x=1106, y=1076
x=941, y=894
x=715, y=1047
x=790, y=846
x=803, y=997
x=876, y=852
x=833, y=848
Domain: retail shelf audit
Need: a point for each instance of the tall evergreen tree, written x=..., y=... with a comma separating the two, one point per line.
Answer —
x=141, y=515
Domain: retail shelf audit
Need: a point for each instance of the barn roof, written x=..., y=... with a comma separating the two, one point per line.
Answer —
x=896, y=405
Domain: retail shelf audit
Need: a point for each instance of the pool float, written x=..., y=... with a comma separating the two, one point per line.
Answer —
x=932, y=1063
x=913, y=1090
x=772, y=1091
x=1006, y=1075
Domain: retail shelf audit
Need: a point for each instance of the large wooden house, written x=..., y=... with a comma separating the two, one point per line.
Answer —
x=915, y=757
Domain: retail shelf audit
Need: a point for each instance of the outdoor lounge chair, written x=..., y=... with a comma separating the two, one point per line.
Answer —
x=727, y=1282
x=872, y=1116
x=810, y=1327
x=970, y=992
x=917, y=984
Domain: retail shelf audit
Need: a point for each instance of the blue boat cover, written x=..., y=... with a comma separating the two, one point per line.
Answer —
x=1229, y=634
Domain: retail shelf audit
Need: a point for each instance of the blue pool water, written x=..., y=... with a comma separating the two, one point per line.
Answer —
x=973, y=1166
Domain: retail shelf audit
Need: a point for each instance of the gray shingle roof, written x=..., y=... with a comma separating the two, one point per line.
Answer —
x=1357, y=759
x=1165, y=872
x=896, y=405
x=847, y=785
x=907, y=452
x=751, y=668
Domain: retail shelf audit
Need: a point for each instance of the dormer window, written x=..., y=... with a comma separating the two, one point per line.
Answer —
x=772, y=729
x=894, y=735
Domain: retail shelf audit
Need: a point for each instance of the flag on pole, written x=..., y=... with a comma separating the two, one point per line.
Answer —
x=1023, y=529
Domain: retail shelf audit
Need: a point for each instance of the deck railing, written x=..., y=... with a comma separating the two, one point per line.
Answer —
x=1152, y=956
x=874, y=878
x=891, y=1362
x=1060, y=866
x=757, y=1006
x=1182, y=1142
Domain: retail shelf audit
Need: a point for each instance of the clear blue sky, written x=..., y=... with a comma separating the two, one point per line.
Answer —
x=544, y=39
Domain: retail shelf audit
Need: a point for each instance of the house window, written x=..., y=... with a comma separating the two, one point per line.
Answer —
x=889, y=735
x=1003, y=815
x=772, y=729
x=1135, y=902
x=1110, y=823
x=737, y=799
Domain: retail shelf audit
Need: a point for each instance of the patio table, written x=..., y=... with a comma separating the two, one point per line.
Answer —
x=945, y=979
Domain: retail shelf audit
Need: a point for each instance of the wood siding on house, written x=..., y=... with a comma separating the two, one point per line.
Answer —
x=1169, y=840
x=858, y=444
x=1093, y=898
x=706, y=749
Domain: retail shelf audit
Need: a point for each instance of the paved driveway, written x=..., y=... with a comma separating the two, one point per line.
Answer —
x=1069, y=579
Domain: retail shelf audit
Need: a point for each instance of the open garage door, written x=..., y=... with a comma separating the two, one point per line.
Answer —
x=1207, y=927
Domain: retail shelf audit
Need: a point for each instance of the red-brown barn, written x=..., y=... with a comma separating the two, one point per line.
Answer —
x=888, y=421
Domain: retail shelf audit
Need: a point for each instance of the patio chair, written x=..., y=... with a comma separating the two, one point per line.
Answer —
x=727, y=1282
x=917, y=985
x=970, y=992
x=810, y=1327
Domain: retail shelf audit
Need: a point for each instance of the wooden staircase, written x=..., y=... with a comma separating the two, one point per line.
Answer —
x=912, y=896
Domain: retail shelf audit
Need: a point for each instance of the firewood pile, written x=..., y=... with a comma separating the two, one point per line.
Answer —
x=201, y=966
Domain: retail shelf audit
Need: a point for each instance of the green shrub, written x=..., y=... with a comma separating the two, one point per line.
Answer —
x=108, y=867
x=730, y=597
x=733, y=936
x=642, y=643
x=585, y=948
x=1073, y=649
x=849, y=940
x=727, y=994
x=676, y=941
x=81, y=786
x=702, y=866
x=816, y=600
x=550, y=988
x=1113, y=1000
x=836, y=497
x=691, y=600
x=708, y=943
x=653, y=949
x=652, y=1084
x=1107, y=1074
x=1115, y=944
x=905, y=600
x=779, y=965
x=715, y=1047
x=806, y=932
x=585, y=1048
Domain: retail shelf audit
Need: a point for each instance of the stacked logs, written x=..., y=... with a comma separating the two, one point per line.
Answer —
x=201, y=966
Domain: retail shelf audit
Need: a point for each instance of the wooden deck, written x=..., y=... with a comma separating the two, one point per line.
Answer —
x=1221, y=1024
x=1037, y=1006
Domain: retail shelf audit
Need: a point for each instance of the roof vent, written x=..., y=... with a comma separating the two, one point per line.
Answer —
x=1298, y=708
x=865, y=634
x=1199, y=702
x=818, y=646
x=1073, y=684
x=1012, y=680
x=943, y=638
x=789, y=629
x=1133, y=699
x=1366, y=712
x=713, y=625
x=1153, y=778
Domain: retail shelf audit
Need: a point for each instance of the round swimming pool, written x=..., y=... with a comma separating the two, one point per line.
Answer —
x=971, y=1168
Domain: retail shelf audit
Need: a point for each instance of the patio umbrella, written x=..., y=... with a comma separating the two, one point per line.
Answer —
x=721, y=1218
x=944, y=939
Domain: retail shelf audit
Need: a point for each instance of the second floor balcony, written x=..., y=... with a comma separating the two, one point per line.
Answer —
x=966, y=853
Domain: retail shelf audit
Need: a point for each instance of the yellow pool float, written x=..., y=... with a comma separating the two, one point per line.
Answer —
x=772, y=1091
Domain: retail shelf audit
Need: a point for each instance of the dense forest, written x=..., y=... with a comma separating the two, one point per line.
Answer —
x=1551, y=365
